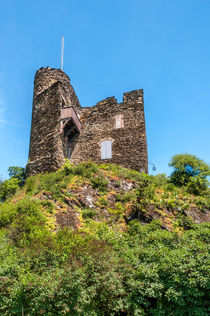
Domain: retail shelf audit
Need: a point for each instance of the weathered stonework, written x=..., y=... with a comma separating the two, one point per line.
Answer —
x=107, y=132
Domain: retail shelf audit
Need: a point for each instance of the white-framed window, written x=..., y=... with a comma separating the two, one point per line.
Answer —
x=119, y=122
x=106, y=149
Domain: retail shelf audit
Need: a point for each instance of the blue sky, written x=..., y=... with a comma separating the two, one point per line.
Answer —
x=111, y=46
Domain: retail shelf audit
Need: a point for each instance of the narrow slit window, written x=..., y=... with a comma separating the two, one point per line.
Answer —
x=106, y=149
x=63, y=103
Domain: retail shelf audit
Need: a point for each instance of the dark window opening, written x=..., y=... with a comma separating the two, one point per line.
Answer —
x=63, y=103
x=70, y=135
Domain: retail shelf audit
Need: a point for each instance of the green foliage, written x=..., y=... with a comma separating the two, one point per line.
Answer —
x=88, y=213
x=48, y=205
x=145, y=191
x=99, y=268
x=185, y=221
x=91, y=171
x=18, y=173
x=146, y=271
x=86, y=169
x=99, y=183
x=186, y=167
x=126, y=197
x=203, y=203
x=67, y=167
x=51, y=182
x=121, y=172
x=7, y=213
x=160, y=180
x=103, y=201
x=8, y=188
x=169, y=187
x=28, y=222
x=197, y=185
x=31, y=185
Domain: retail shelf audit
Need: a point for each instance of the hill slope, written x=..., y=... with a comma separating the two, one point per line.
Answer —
x=73, y=243
x=114, y=195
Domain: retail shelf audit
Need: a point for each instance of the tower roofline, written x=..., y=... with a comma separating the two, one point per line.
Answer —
x=48, y=70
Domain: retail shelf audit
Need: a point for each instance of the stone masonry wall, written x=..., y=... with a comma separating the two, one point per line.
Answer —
x=52, y=92
x=47, y=77
x=129, y=146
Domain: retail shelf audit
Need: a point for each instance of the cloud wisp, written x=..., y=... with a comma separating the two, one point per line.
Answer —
x=12, y=123
x=3, y=121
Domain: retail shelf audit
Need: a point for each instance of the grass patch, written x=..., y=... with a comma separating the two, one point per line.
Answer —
x=88, y=213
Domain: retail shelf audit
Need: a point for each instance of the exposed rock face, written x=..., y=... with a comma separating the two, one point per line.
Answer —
x=107, y=132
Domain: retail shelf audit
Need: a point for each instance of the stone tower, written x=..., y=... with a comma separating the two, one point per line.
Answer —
x=107, y=132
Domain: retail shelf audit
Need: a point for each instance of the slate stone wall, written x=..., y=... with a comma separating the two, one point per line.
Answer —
x=47, y=77
x=52, y=91
x=129, y=146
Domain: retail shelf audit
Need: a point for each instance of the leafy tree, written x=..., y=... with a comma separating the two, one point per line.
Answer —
x=186, y=167
x=18, y=173
x=197, y=185
x=8, y=188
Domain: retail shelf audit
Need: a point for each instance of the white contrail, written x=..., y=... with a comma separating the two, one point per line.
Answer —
x=12, y=123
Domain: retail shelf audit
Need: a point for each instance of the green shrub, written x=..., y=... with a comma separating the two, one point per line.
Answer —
x=186, y=167
x=53, y=182
x=145, y=188
x=88, y=213
x=18, y=173
x=160, y=179
x=8, y=211
x=86, y=169
x=49, y=180
x=31, y=184
x=170, y=187
x=126, y=196
x=185, y=221
x=28, y=222
x=8, y=188
x=197, y=185
x=170, y=204
x=102, y=200
x=203, y=203
x=121, y=172
x=146, y=271
x=68, y=167
x=48, y=205
x=101, y=268
x=99, y=183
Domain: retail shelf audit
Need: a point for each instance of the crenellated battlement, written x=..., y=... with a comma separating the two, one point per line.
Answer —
x=108, y=101
x=133, y=96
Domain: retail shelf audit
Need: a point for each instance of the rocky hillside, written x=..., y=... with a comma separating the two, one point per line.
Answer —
x=78, y=196
x=103, y=240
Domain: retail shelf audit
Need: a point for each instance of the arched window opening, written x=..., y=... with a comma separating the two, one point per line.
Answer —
x=106, y=149
x=70, y=134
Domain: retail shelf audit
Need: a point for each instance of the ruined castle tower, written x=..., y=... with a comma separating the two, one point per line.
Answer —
x=107, y=132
